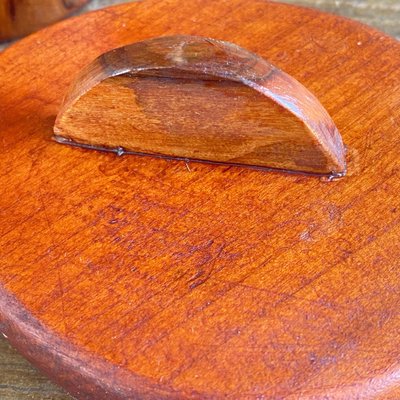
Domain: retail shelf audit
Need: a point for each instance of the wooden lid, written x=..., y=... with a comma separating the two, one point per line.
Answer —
x=125, y=277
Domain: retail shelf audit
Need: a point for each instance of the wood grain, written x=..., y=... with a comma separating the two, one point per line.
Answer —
x=18, y=380
x=382, y=14
x=200, y=99
x=21, y=17
x=159, y=280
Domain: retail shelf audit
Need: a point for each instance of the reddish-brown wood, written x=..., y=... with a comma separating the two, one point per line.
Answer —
x=21, y=17
x=133, y=277
x=196, y=98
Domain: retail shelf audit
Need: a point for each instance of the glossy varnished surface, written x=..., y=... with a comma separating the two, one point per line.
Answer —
x=194, y=281
x=196, y=98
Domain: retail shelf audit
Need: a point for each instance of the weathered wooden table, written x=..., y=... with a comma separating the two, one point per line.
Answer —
x=19, y=380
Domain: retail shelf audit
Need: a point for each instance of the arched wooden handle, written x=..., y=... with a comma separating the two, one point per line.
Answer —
x=197, y=98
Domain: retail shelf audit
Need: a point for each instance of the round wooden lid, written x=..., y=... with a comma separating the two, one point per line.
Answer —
x=131, y=277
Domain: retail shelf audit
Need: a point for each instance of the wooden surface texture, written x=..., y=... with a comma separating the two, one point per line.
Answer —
x=194, y=98
x=21, y=17
x=206, y=282
x=382, y=14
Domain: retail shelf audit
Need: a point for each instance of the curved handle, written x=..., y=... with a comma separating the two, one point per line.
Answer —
x=199, y=98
